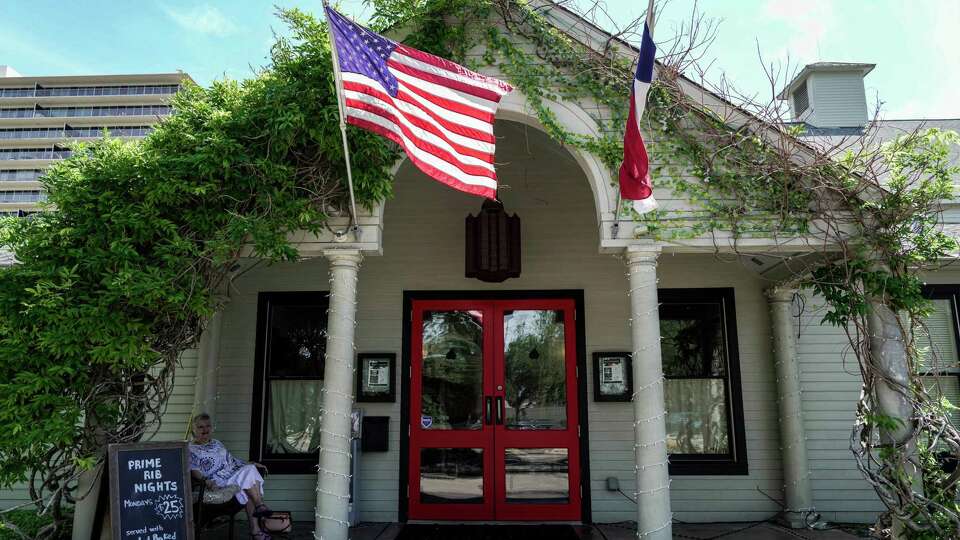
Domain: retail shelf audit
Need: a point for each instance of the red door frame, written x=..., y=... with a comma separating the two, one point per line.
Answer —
x=419, y=437
x=494, y=438
x=510, y=438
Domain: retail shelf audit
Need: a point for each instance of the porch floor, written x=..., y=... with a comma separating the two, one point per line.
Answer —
x=698, y=531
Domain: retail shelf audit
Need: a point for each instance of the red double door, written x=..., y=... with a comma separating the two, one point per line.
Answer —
x=494, y=431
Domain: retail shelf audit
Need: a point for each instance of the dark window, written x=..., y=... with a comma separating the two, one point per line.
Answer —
x=939, y=347
x=291, y=342
x=801, y=101
x=702, y=382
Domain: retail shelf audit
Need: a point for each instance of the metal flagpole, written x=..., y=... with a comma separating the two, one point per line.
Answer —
x=650, y=17
x=343, y=123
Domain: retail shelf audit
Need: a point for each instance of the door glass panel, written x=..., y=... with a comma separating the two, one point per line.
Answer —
x=452, y=396
x=451, y=475
x=536, y=372
x=537, y=475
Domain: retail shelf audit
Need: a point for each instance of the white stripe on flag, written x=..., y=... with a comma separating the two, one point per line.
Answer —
x=642, y=206
x=417, y=131
x=441, y=72
x=640, y=89
x=447, y=93
x=411, y=109
x=422, y=155
x=447, y=114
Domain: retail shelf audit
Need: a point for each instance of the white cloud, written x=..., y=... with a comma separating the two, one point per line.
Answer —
x=203, y=18
x=806, y=23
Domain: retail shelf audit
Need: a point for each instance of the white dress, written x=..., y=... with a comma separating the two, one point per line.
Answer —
x=216, y=463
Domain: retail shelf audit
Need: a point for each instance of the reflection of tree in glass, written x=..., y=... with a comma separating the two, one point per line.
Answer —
x=695, y=362
x=297, y=351
x=692, y=345
x=535, y=369
x=452, y=369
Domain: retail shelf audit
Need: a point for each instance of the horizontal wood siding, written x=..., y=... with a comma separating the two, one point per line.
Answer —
x=176, y=419
x=173, y=426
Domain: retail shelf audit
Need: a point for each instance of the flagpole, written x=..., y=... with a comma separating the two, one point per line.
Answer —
x=615, y=228
x=650, y=17
x=338, y=82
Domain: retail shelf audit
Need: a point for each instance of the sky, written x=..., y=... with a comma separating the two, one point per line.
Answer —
x=915, y=43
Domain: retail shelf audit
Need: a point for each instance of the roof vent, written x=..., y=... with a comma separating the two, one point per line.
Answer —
x=801, y=101
x=829, y=95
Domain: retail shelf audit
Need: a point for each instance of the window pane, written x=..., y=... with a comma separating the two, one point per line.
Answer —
x=947, y=387
x=537, y=475
x=293, y=420
x=297, y=341
x=452, y=372
x=696, y=416
x=451, y=475
x=938, y=341
x=536, y=369
x=692, y=340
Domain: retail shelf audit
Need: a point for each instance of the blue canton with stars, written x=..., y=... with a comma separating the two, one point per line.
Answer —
x=361, y=51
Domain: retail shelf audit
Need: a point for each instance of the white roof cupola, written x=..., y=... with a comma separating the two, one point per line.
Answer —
x=829, y=94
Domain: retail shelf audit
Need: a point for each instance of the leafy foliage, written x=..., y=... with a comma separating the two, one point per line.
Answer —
x=112, y=286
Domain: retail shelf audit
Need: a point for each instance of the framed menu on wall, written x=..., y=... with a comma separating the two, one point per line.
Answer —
x=375, y=377
x=612, y=376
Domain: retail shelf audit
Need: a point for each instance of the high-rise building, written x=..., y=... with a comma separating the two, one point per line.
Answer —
x=39, y=115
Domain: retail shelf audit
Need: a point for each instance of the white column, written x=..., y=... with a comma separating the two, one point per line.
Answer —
x=333, y=476
x=889, y=354
x=650, y=447
x=793, y=439
x=891, y=389
x=208, y=366
x=85, y=510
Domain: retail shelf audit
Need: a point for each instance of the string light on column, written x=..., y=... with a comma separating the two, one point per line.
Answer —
x=658, y=529
x=342, y=297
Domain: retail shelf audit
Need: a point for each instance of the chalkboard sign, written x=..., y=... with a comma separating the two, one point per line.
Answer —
x=150, y=491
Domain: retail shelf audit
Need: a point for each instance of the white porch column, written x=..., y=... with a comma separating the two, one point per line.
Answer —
x=333, y=477
x=793, y=439
x=889, y=354
x=208, y=366
x=85, y=510
x=654, y=519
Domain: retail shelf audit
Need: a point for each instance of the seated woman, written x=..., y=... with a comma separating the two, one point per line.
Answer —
x=210, y=462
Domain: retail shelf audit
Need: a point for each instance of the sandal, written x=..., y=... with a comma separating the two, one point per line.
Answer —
x=262, y=510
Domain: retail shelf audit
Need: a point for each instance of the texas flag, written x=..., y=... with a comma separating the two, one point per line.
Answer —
x=635, y=171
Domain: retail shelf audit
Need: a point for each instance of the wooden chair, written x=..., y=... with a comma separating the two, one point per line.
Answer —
x=207, y=517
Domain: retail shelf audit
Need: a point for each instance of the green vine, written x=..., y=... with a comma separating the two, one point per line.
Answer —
x=876, y=212
x=560, y=69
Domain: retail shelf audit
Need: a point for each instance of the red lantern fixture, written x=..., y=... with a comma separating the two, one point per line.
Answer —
x=492, y=244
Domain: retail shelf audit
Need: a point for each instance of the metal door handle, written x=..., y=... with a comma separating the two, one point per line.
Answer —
x=487, y=413
x=500, y=411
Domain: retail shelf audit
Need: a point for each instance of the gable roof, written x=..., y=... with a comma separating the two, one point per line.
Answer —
x=592, y=36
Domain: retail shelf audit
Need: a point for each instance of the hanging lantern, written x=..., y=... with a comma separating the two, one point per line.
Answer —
x=493, y=244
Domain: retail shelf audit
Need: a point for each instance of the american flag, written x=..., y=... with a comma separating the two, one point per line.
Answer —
x=440, y=113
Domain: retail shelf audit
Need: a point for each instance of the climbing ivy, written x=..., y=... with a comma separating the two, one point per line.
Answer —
x=873, y=212
x=546, y=64
x=116, y=283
